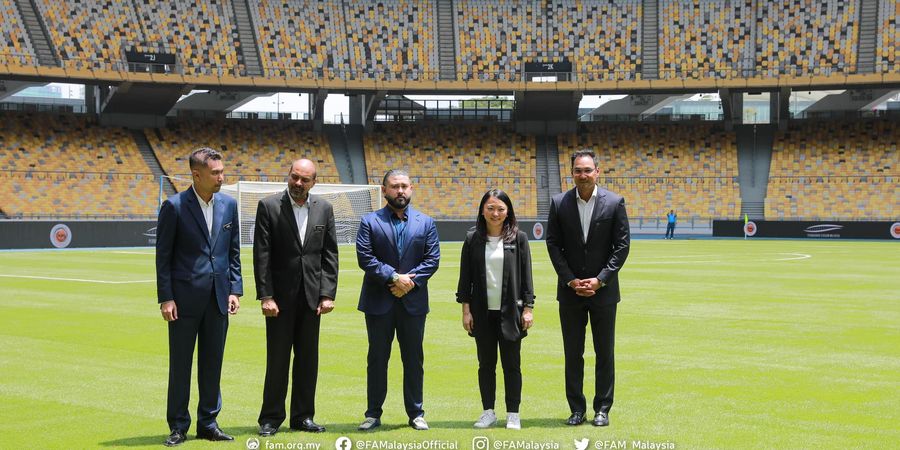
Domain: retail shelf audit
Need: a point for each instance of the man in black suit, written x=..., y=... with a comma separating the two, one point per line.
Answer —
x=198, y=284
x=295, y=259
x=588, y=240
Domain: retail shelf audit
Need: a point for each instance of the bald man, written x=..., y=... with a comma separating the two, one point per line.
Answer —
x=295, y=259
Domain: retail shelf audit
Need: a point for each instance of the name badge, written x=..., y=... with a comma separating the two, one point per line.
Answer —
x=227, y=226
x=319, y=228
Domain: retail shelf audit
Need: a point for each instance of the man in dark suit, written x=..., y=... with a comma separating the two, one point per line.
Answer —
x=397, y=248
x=198, y=283
x=295, y=261
x=588, y=240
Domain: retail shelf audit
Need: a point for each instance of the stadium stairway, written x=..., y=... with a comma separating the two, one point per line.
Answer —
x=446, y=39
x=37, y=32
x=868, y=28
x=346, y=144
x=754, y=146
x=650, y=41
x=547, y=167
x=247, y=37
x=152, y=162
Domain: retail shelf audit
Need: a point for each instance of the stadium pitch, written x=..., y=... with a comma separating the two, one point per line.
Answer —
x=720, y=344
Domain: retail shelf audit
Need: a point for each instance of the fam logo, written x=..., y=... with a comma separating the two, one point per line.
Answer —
x=895, y=230
x=750, y=228
x=60, y=235
x=823, y=228
x=538, y=230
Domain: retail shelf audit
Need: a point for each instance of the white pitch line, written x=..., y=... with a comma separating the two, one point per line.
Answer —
x=797, y=256
x=134, y=253
x=75, y=279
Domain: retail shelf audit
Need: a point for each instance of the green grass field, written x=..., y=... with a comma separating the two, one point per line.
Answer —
x=720, y=344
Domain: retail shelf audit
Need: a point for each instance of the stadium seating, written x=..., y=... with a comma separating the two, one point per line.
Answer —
x=70, y=166
x=705, y=39
x=691, y=168
x=494, y=38
x=253, y=150
x=305, y=39
x=887, y=52
x=93, y=33
x=817, y=38
x=601, y=39
x=392, y=39
x=201, y=32
x=835, y=170
x=452, y=166
x=15, y=46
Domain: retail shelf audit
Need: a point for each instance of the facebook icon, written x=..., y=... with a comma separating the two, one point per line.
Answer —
x=343, y=443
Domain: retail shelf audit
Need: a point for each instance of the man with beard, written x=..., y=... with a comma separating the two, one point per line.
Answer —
x=295, y=260
x=588, y=240
x=397, y=248
x=198, y=284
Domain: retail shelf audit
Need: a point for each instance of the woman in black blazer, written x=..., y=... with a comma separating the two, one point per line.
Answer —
x=497, y=296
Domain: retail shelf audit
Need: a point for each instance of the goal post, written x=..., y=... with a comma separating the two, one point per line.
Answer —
x=350, y=201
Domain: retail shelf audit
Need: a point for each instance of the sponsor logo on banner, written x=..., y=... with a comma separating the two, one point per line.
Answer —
x=825, y=230
x=895, y=230
x=151, y=235
x=538, y=231
x=750, y=228
x=60, y=235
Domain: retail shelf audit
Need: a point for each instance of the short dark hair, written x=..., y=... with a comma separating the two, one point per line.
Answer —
x=510, y=230
x=583, y=153
x=393, y=173
x=200, y=156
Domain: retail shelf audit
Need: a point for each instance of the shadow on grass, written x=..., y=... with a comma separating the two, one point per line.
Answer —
x=137, y=441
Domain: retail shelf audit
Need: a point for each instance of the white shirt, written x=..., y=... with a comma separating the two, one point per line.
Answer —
x=301, y=214
x=207, y=209
x=493, y=266
x=586, y=210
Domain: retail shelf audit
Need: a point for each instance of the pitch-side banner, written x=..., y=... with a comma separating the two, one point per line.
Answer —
x=813, y=230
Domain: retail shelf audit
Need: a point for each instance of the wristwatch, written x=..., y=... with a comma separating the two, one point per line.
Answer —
x=395, y=277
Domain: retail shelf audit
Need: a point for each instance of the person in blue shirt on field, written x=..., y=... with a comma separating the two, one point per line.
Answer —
x=671, y=218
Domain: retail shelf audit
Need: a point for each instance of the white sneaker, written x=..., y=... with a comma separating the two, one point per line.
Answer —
x=513, y=422
x=487, y=419
x=419, y=423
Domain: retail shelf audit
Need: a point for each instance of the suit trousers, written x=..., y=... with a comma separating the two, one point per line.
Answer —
x=510, y=358
x=410, y=335
x=573, y=318
x=208, y=331
x=297, y=328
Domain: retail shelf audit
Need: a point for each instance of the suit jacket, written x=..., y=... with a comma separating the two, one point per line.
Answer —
x=376, y=252
x=601, y=256
x=517, y=289
x=282, y=264
x=190, y=263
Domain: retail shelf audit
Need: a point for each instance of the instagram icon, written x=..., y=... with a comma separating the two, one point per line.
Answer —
x=480, y=443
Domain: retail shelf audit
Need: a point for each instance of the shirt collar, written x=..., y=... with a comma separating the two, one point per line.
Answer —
x=593, y=195
x=202, y=202
x=297, y=205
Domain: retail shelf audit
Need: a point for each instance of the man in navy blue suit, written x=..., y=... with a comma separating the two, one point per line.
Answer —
x=397, y=247
x=198, y=282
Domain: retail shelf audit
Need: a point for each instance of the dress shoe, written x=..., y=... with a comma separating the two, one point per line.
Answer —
x=601, y=419
x=309, y=426
x=369, y=424
x=176, y=438
x=577, y=418
x=267, y=429
x=418, y=423
x=213, y=434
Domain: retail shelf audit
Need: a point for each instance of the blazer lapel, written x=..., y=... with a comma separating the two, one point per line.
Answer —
x=575, y=216
x=412, y=225
x=287, y=210
x=478, y=252
x=595, y=214
x=312, y=218
x=388, y=228
x=218, y=215
x=194, y=208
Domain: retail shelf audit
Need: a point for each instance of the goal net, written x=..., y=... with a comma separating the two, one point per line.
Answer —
x=350, y=201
